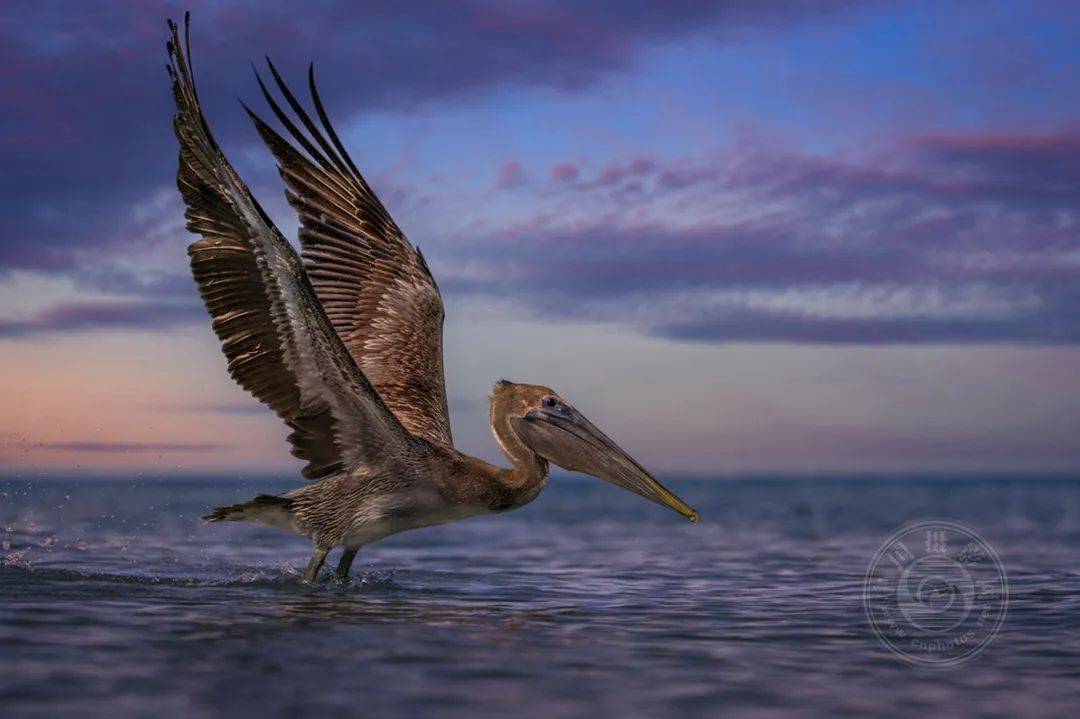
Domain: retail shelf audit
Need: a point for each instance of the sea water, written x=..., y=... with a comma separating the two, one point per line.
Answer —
x=115, y=600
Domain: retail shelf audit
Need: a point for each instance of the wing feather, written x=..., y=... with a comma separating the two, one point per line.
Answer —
x=374, y=285
x=279, y=343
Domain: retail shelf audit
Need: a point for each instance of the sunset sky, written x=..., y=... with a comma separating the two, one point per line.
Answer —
x=795, y=237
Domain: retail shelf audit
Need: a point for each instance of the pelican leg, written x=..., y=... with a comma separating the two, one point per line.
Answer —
x=345, y=563
x=315, y=564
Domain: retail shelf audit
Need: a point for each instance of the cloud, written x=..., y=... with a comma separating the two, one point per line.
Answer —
x=958, y=238
x=511, y=175
x=79, y=316
x=618, y=172
x=564, y=172
x=86, y=122
x=1043, y=167
x=128, y=447
x=233, y=408
x=935, y=237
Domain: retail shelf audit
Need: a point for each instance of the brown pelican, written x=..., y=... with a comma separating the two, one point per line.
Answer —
x=344, y=343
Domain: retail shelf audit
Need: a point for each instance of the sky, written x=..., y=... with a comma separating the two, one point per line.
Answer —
x=743, y=237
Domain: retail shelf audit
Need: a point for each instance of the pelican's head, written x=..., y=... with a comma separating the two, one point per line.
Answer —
x=552, y=428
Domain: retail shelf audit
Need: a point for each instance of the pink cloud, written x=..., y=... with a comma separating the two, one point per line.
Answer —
x=511, y=175
x=615, y=172
x=564, y=172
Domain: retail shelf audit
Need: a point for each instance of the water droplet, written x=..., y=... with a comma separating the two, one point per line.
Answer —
x=14, y=557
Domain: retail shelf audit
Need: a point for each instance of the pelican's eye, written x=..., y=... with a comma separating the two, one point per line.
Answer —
x=550, y=402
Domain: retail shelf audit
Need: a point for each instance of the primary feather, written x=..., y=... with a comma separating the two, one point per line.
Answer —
x=279, y=342
x=374, y=285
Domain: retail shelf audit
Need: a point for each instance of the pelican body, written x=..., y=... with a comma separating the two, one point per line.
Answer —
x=343, y=341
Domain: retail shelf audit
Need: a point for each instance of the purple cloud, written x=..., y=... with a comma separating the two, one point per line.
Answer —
x=231, y=408
x=78, y=316
x=511, y=175
x=958, y=238
x=128, y=447
x=964, y=238
x=617, y=172
x=85, y=128
x=934, y=238
x=939, y=239
x=564, y=172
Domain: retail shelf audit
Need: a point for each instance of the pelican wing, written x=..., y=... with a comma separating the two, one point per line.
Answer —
x=375, y=286
x=280, y=345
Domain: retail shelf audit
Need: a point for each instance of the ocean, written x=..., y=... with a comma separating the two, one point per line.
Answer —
x=115, y=600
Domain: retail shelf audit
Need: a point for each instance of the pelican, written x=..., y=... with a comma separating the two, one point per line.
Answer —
x=343, y=341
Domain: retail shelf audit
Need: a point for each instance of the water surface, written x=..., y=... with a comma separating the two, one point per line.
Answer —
x=116, y=601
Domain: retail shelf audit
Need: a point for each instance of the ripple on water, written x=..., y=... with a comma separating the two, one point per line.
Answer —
x=588, y=602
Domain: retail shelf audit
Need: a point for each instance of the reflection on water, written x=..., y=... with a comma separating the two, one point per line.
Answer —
x=115, y=600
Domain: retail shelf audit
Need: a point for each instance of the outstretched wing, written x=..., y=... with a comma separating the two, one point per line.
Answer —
x=280, y=345
x=375, y=286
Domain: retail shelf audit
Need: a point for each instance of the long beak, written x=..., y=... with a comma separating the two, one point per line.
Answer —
x=565, y=437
